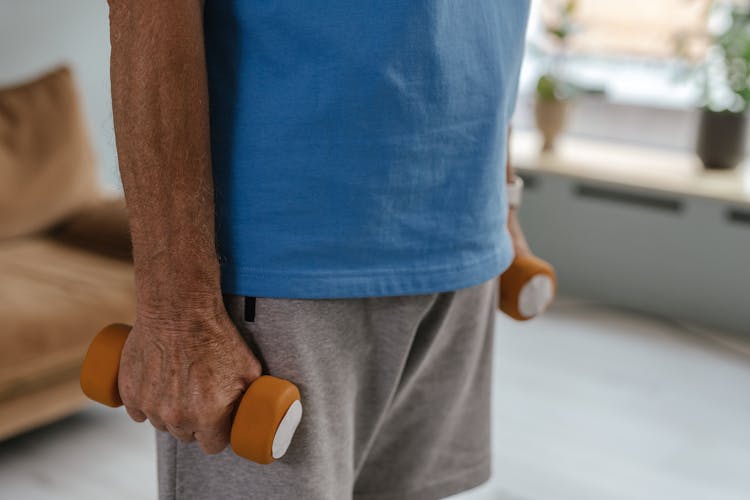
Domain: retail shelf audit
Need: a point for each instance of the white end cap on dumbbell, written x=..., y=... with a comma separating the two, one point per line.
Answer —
x=536, y=295
x=285, y=431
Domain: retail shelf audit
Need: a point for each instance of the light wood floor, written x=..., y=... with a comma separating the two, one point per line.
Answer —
x=590, y=404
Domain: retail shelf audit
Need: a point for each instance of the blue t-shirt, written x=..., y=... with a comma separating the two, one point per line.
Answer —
x=359, y=147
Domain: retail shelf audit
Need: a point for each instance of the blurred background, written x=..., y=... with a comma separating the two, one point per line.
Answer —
x=630, y=133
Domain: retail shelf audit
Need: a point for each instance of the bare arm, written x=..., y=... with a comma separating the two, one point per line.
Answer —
x=160, y=105
x=184, y=364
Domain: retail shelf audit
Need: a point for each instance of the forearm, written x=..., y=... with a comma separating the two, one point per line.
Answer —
x=160, y=106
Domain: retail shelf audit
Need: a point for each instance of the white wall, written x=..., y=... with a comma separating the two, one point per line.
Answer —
x=36, y=35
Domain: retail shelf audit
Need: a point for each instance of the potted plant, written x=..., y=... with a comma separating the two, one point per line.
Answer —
x=726, y=81
x=553, y=93
x=550, y=109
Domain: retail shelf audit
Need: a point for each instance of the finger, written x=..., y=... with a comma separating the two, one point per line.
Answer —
x=180, y=433
x=156, y=422
x=255, y=370
x=213, y=441
x=136, y=414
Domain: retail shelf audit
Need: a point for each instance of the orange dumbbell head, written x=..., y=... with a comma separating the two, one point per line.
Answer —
x=527, y=287
x=102, y=364
x=266, y=419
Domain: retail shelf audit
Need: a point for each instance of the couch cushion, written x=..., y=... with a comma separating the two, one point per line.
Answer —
x=47, y=167
x=53, y=300
x=100, y=227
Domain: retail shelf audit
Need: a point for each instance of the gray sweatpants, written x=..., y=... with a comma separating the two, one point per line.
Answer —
x=396, y=398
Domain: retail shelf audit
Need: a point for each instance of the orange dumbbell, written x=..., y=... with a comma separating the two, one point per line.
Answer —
x=263, y=425
x=527, y=287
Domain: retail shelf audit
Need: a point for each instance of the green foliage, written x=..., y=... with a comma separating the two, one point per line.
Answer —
x=724, y=72
x=564, y=27
x=551, y=88
x=546, y=87
x=734, y=45
x=550, y=85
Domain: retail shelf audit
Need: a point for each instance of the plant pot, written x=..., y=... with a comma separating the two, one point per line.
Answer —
x=721, y=138
x=551, y=116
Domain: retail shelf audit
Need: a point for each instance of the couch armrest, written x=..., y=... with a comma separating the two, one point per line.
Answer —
x=101, y=227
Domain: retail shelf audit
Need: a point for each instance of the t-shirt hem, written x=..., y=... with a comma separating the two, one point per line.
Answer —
x=377, y=283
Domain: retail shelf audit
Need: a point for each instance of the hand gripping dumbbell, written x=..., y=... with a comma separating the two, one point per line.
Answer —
x=527, y=287
x=263, y=425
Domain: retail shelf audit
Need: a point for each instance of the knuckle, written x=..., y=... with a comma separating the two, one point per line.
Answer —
x=256, y=371
x=207, y=421
x=175, y=417
x=136, y=415
x=128, y=395
x=157, y=422
x=148, y=407
x=185, y=437
x=214, y=446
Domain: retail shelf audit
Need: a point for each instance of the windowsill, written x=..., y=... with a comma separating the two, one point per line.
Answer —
x=631, y=166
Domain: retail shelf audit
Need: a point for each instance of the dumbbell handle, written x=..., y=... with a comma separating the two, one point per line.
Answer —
x=266, y=418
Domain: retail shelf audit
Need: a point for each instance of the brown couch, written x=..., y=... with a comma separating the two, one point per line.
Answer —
x=65, y=267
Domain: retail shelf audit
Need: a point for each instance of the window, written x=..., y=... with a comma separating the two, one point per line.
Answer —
x=629, y=52
x=644, y=28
